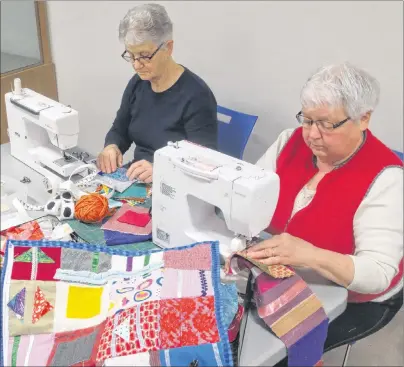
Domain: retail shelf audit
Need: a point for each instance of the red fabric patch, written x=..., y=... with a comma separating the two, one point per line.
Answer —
x=143, y=337
x=45, y=271
x=27, y=231
x=187, y=322
x=41, y=306
x=136, y=219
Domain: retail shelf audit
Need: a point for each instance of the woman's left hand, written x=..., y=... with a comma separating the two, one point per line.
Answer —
x=283, y=249
x=141, y=170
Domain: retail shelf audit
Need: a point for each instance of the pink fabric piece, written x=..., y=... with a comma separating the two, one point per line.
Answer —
x=114, y=225
x=283, y=300
x=197, y=257
x=40, y=351
x=264, y=283
x=186, y=283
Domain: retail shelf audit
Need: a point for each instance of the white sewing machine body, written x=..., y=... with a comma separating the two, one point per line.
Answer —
x=41, y=131
x=189, y=181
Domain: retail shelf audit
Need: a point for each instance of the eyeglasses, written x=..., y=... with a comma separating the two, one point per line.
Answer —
x=127, y=56
x=321, y=125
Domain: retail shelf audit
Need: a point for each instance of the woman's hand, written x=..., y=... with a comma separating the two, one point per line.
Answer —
x=110, y=159
x=142, y=170
x=283, y=249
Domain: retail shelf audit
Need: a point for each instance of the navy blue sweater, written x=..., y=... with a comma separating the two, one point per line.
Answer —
x=187, y=110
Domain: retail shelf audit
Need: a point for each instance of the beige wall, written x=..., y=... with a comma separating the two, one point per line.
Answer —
x=254, y=55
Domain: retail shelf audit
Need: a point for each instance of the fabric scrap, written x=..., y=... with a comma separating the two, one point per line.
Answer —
x=187, y=321
x=30, y=350
x=134, y=191
x=27, y=231
x=197, y=257
x=41, y=306
x=38, y=317
x=143, y=332
x=77, y=347
x=114, y=225
x=26, y=257
x=113, y=238
x=83, y=302
x=123, y=330
x=276, y=271
x=80, y=260
x=186, y=283
x=206, y=355
x=133, y=218
x=290, y=309
x=17, y=303
x=42, y=266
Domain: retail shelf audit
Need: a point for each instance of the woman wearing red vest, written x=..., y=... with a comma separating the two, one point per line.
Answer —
x=340, y=208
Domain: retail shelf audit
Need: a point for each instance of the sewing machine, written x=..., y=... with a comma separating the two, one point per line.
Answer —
x=190, y=184
x=42, y=133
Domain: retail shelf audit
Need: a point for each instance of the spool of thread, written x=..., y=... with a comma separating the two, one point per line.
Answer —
x=17, y=86
x=91, y=208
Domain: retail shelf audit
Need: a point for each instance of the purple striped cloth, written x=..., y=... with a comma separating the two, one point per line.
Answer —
x=291, y=310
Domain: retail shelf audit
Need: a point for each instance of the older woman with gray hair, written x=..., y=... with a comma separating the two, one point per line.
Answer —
x=340, y=208
x=164, y=101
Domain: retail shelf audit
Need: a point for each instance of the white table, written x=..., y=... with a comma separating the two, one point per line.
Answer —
x=260, y=347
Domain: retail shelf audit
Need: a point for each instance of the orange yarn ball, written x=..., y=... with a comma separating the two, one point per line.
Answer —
x=91, y=208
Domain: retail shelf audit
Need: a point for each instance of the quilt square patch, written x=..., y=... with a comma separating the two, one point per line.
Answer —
x=187, y=322
x=35, y=263
x=131, y=331
x=186, y=283
x=75, y=348
x=30, y=350
x=80, y=306
x=80, y=260
x=197, y=257
x=129, y=292
x=31, y=307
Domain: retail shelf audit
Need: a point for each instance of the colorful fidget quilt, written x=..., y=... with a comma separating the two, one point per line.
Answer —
x=288, y=307
x=76, y=304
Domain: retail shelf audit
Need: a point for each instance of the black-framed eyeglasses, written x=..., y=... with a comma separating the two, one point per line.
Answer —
x=127, y=56
x=321, y=125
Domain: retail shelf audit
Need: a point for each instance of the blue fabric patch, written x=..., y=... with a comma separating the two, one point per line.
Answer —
x=182, y=357
x=228, y=294
x=307, y=351
x=119, y=175
x=135, y=190
x=119, y=238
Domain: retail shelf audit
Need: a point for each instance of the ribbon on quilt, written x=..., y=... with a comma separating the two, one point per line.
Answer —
x=288, y=307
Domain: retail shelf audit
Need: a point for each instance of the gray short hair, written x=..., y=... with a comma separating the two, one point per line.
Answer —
x=146, y=22
x=342, y=85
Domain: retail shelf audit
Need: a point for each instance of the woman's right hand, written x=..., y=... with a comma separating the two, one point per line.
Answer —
x=110, y=159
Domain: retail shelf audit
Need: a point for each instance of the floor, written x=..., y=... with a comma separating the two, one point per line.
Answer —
x=385, y=348
x=11, y=62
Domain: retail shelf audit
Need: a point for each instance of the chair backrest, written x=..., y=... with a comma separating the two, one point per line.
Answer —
x=400, y=154
x=234, y=130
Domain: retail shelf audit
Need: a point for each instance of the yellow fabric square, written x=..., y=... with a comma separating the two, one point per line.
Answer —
x=83, y=302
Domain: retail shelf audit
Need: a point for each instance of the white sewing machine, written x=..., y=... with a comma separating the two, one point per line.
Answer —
x=41, y=133
x=190, y=182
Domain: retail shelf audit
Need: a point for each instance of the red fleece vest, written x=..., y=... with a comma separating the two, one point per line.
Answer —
x=327, y=222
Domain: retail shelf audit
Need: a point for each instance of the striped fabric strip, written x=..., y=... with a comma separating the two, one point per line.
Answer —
x=95, y=262
x=291, y=310
x=14, y=352
x=129, y=263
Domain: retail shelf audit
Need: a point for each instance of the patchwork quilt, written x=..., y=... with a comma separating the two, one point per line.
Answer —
x=71, y=304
